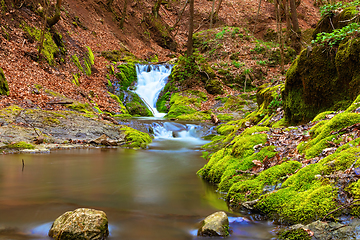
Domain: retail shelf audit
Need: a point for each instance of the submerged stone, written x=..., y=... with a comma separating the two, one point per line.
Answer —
x=83, y=223
x=217, y=224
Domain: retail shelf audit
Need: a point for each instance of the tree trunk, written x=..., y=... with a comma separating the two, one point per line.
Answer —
x=297, y=33
x=280, y=38
x=288, y=23
x=180, y=15
x=53, y=20
x=218, y=9
x=212, y=13
x=191, y=30
x=42, y=37
x=123, y=16
x=156, y=8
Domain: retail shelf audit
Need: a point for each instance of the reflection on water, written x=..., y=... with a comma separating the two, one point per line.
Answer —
x=146, y=194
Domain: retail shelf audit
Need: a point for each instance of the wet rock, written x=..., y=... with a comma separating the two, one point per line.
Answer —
x=83, y=223
x=333, y=230
x=217, y=224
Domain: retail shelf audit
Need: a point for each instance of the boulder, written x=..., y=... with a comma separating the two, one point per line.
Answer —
x=217, y=224
x=83, y=223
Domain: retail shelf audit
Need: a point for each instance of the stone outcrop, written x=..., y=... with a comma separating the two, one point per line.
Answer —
x=217, y=224
x=83, y=223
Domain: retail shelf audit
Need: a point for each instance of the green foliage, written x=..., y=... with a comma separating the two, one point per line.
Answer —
x=262, y=62
x=329, y=8
x=220, y=35
x=276, y=102
x=237, y=64
x=187, y=102
x=76, y=79
x=336, y=36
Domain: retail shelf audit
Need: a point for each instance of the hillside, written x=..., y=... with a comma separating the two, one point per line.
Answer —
x=35, y=83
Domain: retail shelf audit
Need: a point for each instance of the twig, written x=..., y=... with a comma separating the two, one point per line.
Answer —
x=349, y=19
x=340, y=208
x=257, y=15
x=331, y=24
x=23, y=164
x=164, y=10
x=19, y=115
x=180, y=15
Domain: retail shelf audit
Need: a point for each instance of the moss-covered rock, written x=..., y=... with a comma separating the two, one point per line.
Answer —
x=336, y=20
x=136, y=106
x=135, y=138
x=294, y=234
x=214, y=87
x=20, y=145
x=186, y=102
x=215, y=225
x=4, y=87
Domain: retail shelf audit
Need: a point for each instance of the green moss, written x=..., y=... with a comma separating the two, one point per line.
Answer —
x=50, y=50
x=20, y=145
x=135, y=138
x=187, y=102
x=294, y=234
x=354, y=190
x=249, y=190
x=51, y=121
x=321, y=132
x=136, y=106
x=117, y=55
x=83, y=108
x=4, y=87
x=76, y=61
x=162, y=101
x=197, y=116
x=322, y=116
x=234, y=103
x=127, y=75
x=121, y=105
x=225, y=117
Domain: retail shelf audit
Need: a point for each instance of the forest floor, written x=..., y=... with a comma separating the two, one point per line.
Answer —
x=36, y=84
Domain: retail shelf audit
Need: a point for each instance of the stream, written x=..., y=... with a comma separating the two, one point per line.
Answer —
x=147, y=194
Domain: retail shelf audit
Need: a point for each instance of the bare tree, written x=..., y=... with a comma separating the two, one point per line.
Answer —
x=123, y=16
x=212, y=13
x=280, y=35
x=156, y=8
x=191, y=30
x=54, y=19
x=296, y=30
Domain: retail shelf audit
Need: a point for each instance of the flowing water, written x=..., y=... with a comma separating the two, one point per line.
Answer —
x=150, y=194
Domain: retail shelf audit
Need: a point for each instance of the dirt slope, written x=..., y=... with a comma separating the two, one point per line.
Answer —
x=90, y=23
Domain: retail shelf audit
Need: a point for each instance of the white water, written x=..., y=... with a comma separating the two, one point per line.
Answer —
x=151, y=80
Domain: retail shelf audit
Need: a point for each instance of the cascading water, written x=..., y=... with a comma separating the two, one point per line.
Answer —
x=151, y=80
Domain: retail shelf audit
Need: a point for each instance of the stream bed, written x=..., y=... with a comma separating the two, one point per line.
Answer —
x=146, y=194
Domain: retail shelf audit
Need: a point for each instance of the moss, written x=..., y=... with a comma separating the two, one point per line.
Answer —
x=214, y=87
x=161, y=104
x=322, y=116
x=51, y=121
x=4, y=87
x=225, y=117
x=197, y=116
x=127, y=75
x=135, y=138
x=136, y=107
x=117, y=55
x=76, y=61
x=234, y=103
x=50, y=50
x=187, y=102
x=354, y=190
x=249, y=190
x=121, y=105
x=294, y=234
x=322, y=132
x=303, y=197
x=83, y=108
x=20, y=145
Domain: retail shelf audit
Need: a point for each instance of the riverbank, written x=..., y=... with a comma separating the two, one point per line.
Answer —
x=35, y=130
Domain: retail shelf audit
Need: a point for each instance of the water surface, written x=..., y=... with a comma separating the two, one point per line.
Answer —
x=146, y=194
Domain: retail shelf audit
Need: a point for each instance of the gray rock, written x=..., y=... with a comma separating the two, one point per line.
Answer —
x=83, y=223
x=217, y=224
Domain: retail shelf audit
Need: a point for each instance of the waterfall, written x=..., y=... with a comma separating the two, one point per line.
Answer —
x=151, y=80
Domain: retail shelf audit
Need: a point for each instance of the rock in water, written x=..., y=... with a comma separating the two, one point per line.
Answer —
x=83, y=223
x=217, y=224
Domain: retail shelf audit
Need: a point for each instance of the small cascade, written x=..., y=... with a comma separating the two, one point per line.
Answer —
x=151, y=80
x=172, y=130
